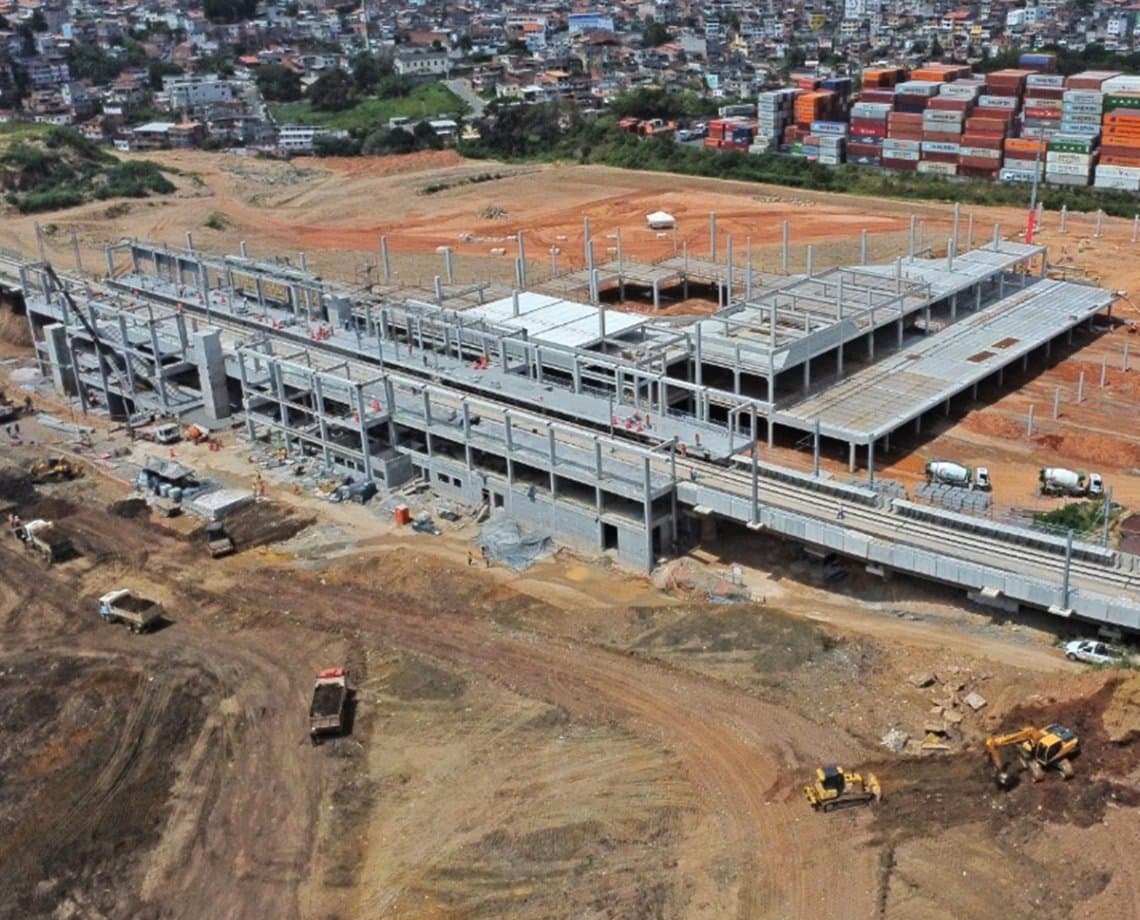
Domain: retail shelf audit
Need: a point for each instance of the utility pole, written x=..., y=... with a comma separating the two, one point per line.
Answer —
x=1031, y=217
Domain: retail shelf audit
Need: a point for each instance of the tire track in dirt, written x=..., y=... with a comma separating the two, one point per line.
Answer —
x=734, y=746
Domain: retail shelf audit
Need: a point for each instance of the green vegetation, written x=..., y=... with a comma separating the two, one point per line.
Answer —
x=436, y=187
x=1080, y=517
x=58, y=168
x=553, y=132
x=229, y=10
x=368, y=113
x=1094, y=56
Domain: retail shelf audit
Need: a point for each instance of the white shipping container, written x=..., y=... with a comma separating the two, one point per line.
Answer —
x=937, y=116
x=1024, y=165
x=939, y=147
x=894, y=143
x=1065, y=179
x=959, y=90
x=1125, y=83
x=1052, y=80
x=1015, y=175
x=1065, y=169
x=938, y=169
x=1121, y=183
x=1034, y=103
x=900, y=155
x=829, y=159
x=998, y=102
x=1083, y=160
x=980, y=153
x=1118, y=172
x=1084, y=96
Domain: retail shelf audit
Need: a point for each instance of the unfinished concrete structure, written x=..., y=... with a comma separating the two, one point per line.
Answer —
x=614, y=431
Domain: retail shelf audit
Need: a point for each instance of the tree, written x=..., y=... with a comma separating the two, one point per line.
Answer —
x=90, y=62
x=156, y=70
x=464, y=43
x=332, y=92
x=38, y=22
x=367, y=69
x=278, y=83
x=229, y=10
x=654, y=34
x=936, y=49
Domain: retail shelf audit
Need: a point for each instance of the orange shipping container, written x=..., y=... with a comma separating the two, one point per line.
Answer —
x=1024, y=145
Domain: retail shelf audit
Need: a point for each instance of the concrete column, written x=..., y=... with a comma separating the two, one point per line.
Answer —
x=712, y=236
x=648, y=510
x=449, y=265
x=322, y=422
x=913, y=241
x=851, y=457
x=784, y=252
x=810, y=259
x=212, y=374
x=521, y=238
x=364, y=449
x=467, y=434
x=59, y=358
x=385, y=261
x=863, y=248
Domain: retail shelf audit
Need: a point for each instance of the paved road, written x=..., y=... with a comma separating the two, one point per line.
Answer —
x=464, y=90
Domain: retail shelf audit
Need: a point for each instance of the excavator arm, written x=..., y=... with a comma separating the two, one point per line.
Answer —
x=996, y=743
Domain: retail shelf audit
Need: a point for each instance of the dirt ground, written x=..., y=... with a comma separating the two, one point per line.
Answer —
x=568, y=741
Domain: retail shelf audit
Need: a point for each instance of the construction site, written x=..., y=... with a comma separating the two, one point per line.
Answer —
x=596, y=557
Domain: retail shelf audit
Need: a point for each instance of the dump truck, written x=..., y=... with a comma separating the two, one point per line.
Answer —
x=121, y=606
x=1036, y=749
x=954, y=474
x=330, y=700
x=166, y=433
x=1057, y=480
x=835, y=788
x=43, y=537
x=218, y=542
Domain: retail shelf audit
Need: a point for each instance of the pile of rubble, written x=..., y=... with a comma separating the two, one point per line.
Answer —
x=952, y=701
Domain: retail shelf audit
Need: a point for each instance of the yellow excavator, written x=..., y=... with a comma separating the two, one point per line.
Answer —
x=835, y=788
x=53, y=469
x=1037, y=750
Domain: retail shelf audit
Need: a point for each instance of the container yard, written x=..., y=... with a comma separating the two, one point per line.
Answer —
x=1012, y=125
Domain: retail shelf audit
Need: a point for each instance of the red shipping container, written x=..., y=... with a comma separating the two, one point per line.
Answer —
x=877, y=95
x=988, y=141
x=1045, y=92
x=901, y=135
x=940, y=157
x=1090, y=79
x=713, y=143
x=945, y=104
x=868, y=126
x=855, y=149
x=943, y=137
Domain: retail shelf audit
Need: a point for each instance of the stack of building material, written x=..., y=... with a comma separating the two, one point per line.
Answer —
x=1070, y=159
x=773, y=115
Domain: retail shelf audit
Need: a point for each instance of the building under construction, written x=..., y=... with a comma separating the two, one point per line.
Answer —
x=607, y=428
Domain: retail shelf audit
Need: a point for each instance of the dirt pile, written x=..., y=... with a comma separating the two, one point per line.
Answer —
x=14, y=329
x=263, y=523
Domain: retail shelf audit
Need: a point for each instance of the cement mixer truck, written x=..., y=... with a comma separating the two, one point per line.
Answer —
x=1056, y=480
x=954, y=474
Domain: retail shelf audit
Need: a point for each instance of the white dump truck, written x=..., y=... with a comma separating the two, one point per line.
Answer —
x=121, y=606
x=42, y=537
x=330, y=700
x=955, y=474
x=1057, y=480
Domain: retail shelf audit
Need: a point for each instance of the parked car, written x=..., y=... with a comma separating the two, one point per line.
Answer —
x=1092, y=651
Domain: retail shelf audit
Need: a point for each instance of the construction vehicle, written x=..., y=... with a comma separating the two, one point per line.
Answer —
x=40, y=536
x=9, y=411
x=1060, y=481
x=1035, y=749
x=166, y=433
x=121, y=606
x=195, y=434
x=955, y=474
x=53, y=469
x=330, y=701
x=835, y=788
x=218, y=542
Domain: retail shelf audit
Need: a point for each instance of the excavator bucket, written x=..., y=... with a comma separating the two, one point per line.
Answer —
x=871, y=784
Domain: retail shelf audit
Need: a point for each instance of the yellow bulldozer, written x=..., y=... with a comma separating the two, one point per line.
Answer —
x=1036, y=750
x=53, y=469
x=835, y=788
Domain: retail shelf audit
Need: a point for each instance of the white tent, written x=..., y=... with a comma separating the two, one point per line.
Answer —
x=660, y=220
